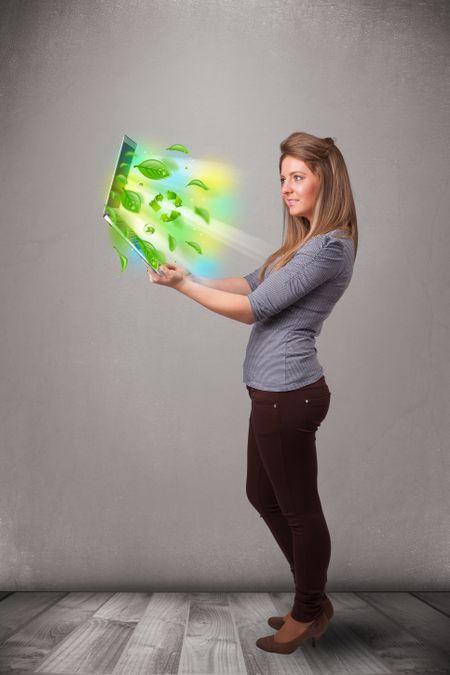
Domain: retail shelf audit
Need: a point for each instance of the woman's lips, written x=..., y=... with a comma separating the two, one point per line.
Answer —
x=290, y=202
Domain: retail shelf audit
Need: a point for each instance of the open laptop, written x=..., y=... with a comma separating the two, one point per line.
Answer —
x=112, y=215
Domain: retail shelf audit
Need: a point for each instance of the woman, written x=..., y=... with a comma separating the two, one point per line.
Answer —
x=285, y=381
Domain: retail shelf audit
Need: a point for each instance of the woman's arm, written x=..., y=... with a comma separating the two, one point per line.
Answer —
x=230, y=284
x=230, y=304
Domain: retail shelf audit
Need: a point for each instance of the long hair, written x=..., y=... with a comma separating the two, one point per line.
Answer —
x=334, y=207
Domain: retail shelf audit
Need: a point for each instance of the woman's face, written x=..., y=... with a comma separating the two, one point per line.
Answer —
x=299, y=187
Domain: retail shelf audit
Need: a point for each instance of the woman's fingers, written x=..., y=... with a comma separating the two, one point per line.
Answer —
x=153, y=276
x=172, y=274
x=150, y=273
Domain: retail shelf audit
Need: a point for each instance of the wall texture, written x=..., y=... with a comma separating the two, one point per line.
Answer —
x=123, y=412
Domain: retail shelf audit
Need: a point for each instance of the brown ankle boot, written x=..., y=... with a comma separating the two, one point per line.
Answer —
x=277, y=621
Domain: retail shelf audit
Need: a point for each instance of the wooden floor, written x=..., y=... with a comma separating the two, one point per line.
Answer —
x=73, y=632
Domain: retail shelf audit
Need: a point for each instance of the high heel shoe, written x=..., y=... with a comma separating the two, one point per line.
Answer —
x=277, y=621
x=313, y=632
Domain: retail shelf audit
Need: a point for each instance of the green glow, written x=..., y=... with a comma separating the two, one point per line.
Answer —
x=175, y=209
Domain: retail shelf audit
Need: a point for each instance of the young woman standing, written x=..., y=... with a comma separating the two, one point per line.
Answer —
x=287, y=300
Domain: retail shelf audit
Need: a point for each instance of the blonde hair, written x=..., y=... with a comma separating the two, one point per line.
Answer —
x=334, y=207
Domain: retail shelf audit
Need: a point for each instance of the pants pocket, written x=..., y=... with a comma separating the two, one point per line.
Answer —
x=265, y=416
x=314, y=409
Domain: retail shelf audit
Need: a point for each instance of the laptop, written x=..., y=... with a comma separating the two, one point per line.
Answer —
x=111, y=214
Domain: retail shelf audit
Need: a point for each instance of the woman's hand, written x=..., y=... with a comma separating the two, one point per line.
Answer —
x=174, y=275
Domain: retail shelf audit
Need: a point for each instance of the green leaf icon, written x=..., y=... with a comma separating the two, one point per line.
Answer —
x=154, y=204
x=123, y=259
x=131, y=201
x=195, y=246
x=159, y=197
x=173, y=195
x=202, y=212
x=179, y=147
x=146, y=246
x=153, y=169
x=152, y=255
x=111, y=213
x=127, y=231
x=197, y=181
x=172, y=242
x=173, y=216
x=149, y=228
x=120, y=180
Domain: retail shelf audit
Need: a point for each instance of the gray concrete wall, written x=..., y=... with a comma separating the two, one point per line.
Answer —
x=123, y=442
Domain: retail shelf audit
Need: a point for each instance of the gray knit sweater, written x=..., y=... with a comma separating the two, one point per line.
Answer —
x=290, y=306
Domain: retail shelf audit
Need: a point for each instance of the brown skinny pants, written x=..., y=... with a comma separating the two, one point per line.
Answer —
x=282, y=484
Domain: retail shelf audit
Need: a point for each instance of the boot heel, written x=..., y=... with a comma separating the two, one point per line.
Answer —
x=315, y=638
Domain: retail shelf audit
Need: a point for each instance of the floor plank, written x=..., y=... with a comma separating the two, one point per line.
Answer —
x=97, y=643
x=396, y=646
x=20, y=607
x=430, y=627
x=29, y=645
x=437, y=600
x=156, y=643
x=211, y=642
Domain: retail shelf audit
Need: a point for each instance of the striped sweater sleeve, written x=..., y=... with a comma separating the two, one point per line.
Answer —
x=311, y=266
x=252, y=278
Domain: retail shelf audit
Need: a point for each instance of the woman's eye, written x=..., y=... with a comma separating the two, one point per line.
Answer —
x=296, y=176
